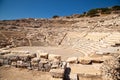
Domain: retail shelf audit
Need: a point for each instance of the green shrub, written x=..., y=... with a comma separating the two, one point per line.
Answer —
x=55, y=16
x=116, y=7
x=92, y=12
x=105, y=10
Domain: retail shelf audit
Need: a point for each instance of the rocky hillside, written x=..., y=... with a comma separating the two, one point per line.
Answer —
x=52, y=32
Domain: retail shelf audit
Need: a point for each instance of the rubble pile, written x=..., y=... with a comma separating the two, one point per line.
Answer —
x=34, y=61
x=111, y=68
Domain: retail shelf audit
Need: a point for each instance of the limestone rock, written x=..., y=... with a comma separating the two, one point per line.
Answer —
x=57, y=73
x=3, y=52
x=42, y=55
x=72, y=60
x=53, y=57
x=73, y=76
x=85, y=60
x=35, y=60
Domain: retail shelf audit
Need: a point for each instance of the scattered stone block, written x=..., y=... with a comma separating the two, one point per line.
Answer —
x=3, y=52
x=42, y=55
x=47, y=67
x=72, y=60
x=53, y=57
x=14, y=63
x=23, y=64
x=35, y=63
x=35, y=66
x=8, y=58
x=7, y=62
x=55, y=64
x=19, y=63
x=85, y=60
x=24, y=57
x=57, y=73
x=41, y=66
x=73, y=76
x=35, y=60
x=97, y=60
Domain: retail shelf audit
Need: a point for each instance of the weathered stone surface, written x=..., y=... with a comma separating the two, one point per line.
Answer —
x=14, y=63
x=35, y=60
x=24, y=57
x=1, y=62
x=72, y=60
x=20, y=52
x=110, y=68
x=32, y=55
x=57, y=73
x=53, y=57
x=3, y=52
x=42, y=55
x=47, y=67
x=85, y=60
x=23, y=64
x=7, y=62
x=73, y=76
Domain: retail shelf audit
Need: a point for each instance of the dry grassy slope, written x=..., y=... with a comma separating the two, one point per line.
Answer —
x=36, y=32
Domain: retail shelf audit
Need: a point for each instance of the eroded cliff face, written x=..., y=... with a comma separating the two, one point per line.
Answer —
x=52, y=32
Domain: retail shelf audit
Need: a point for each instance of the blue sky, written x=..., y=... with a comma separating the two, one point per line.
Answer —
x=14, y=9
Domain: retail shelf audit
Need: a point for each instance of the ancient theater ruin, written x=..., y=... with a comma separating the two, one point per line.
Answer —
x=62, y=48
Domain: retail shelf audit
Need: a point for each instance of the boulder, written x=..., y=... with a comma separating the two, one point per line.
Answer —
x=47, y=67
x=11, y=57
x=53, y=57
x=23, y=64
x=44, y=65
x=73, y=76
x=72, y=60
x=24, y=57
x=57, y=73
x=97, y=60
x=32, y=55
x=19, y=63
x=3, y=52
x=35, y=60
x=41, y=66
x=14, y=63
x=35, y=63
x=42, y=55
x=55, y=64
x=85, y=60
x=7, y=62
x=35, y=66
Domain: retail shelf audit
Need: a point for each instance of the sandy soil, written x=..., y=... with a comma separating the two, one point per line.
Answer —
x=11, y=73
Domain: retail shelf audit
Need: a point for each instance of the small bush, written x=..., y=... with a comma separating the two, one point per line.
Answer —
x=55, y=16
x=92, y=12
x=116, y=8
x=105, y=10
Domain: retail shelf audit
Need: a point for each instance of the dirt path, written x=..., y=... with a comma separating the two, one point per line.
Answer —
x=11, y=73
